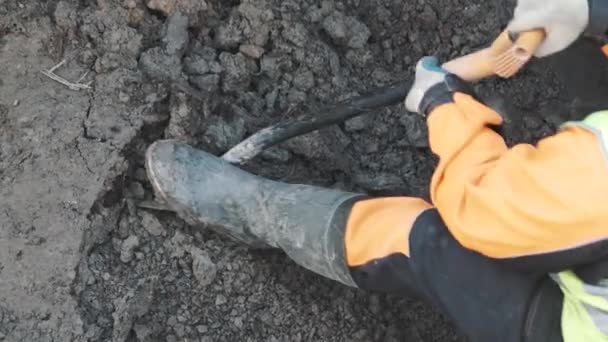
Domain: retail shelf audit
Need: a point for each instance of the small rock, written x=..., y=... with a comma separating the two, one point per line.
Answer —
x=238, y=322
x=130, y=4
x=142, y=332
x=202, y=329
x=274, y=64
x=304, y=80
x=206, y=83
x=295, y=33
x=158, y=65
x=252, y=51
x=220, y=300
x=346, y=30
x=106, y=276
x=238, y=71
x=126, y=250
x=203, y=268
x=357, y=123
x=428, y=18
x=360, y=58
x=335, y=26
x=171, y=338
x=415, y=128
x=180, y=330
x=151, y=224
x=230, y=34
x=65, y=15
x=374, y=304
x=176, y=37
x=224, y=135
x=165, y=6
x=456, y=41
x=196, y=66
x=136, y=16
x=358, y=33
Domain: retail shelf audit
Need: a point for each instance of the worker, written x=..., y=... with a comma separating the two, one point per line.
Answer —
x=513, y=247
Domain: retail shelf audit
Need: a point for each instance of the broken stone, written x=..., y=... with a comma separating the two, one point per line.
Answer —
x=142, y=332
x=127, y=247
x=252, y=51
x=65, y=15
x=206, y=83
x=175, y=245
x=151, y=224
x=196, y=66
x=274, y=64
x=346, y=30
x=335, y=26
x=203, y=268
x=415, y=128
x=295, y=33
x=165, y=6
x=238, y=71
x=158, y=65
x=223, y=135
x=357, y=123
x=358, y=33
x=220, y=300
x=176, y=37
x=304, y=80
x=188, y=7
x=230, y=34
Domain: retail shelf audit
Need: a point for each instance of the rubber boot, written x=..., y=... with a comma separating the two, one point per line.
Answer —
x=306, y=222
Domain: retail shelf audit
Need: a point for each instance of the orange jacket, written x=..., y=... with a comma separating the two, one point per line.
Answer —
x=524, y=201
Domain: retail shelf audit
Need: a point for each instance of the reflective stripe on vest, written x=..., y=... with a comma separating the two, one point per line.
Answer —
x=585, y=310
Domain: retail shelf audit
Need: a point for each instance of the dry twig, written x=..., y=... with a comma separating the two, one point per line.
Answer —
x=71, y=85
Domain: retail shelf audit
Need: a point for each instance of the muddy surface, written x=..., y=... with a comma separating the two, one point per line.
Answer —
x=80, y=262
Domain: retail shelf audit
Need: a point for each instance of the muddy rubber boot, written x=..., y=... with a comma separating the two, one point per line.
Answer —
x=306, y=222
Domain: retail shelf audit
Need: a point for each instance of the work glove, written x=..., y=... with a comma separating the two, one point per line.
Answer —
x=432, y=86
x=564, y=21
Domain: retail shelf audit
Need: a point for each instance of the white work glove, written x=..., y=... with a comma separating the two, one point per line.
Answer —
x=428, y=74
x=433, y=86
x=563, y=21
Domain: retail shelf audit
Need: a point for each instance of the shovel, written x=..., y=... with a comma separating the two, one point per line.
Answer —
x=503, y=58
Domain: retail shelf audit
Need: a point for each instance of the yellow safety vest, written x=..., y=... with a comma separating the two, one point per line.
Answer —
x=585, y=309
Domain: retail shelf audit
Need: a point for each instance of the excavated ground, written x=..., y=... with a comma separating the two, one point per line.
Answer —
x=80, y=262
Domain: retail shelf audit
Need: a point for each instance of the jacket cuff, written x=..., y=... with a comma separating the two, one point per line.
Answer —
x=443, y=93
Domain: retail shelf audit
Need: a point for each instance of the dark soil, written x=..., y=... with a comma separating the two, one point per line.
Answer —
x=80, y=262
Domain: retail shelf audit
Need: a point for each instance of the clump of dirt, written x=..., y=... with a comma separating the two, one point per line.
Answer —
x=79, y=260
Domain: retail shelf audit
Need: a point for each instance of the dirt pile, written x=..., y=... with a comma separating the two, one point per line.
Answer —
x=79, y=261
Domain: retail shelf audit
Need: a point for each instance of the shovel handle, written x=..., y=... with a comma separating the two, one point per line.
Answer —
x=504, y=58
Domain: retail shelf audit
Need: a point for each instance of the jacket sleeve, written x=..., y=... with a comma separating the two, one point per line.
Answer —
x=519, y=202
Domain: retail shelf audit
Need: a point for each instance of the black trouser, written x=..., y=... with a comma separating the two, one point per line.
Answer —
x=485, y=299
